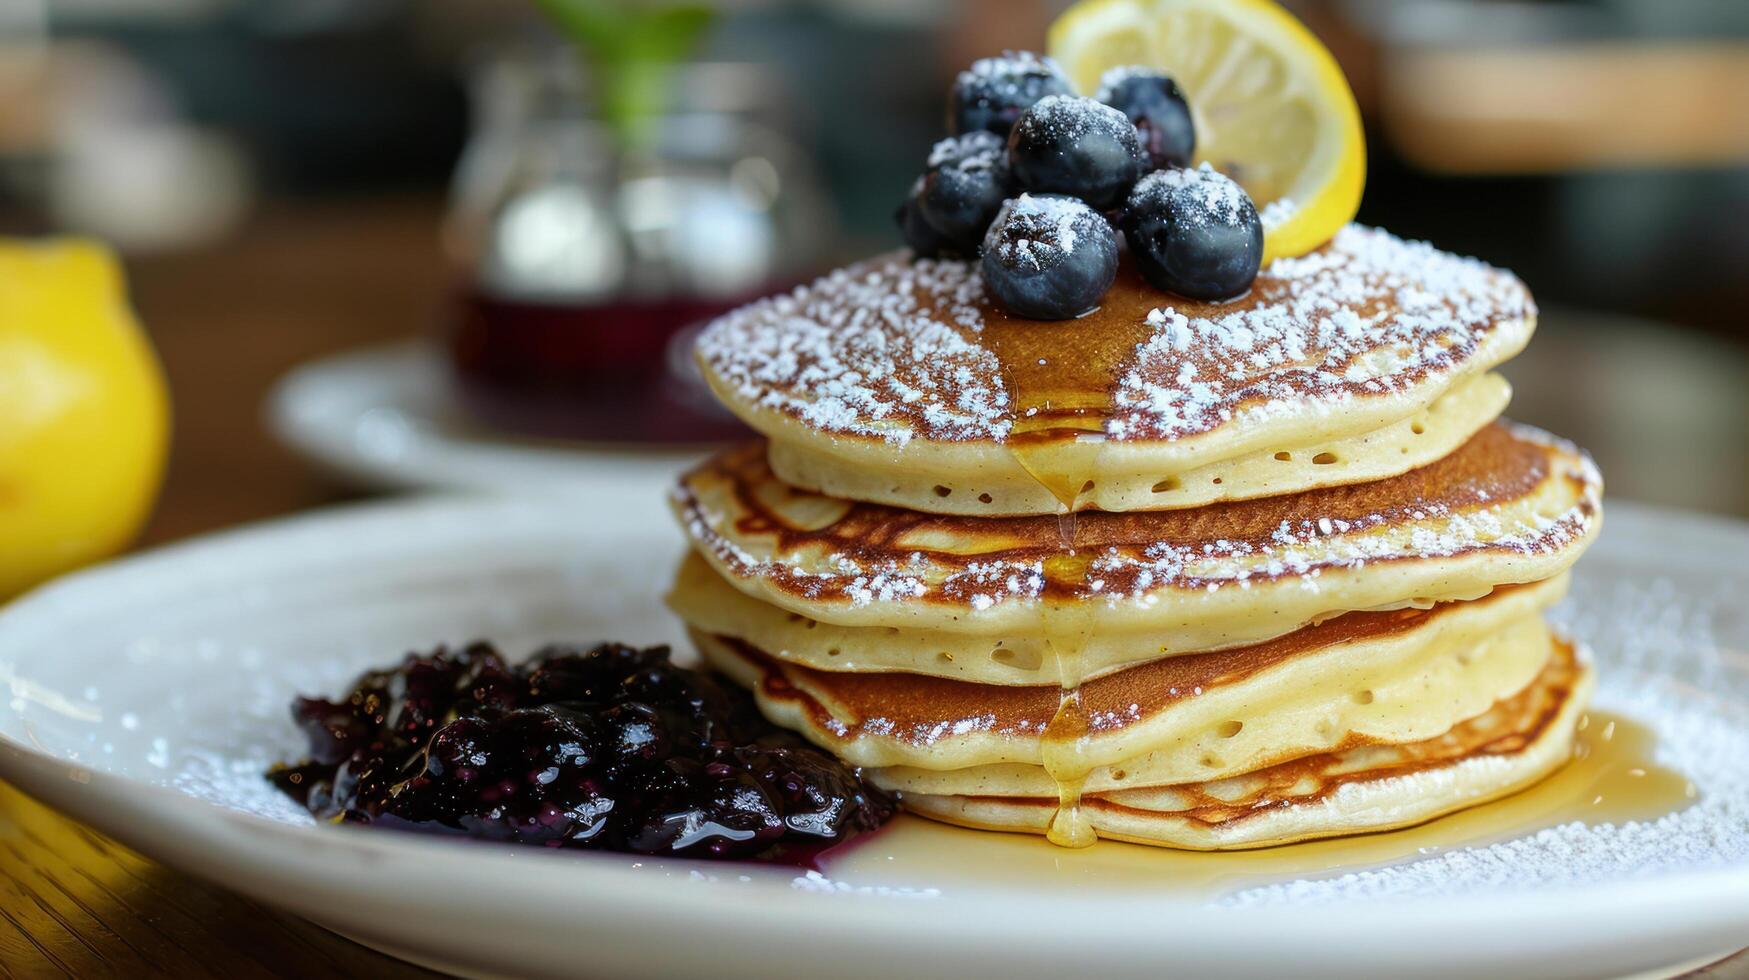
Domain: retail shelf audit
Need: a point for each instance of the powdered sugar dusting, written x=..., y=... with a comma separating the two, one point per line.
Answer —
x=977, y=150
x=1277, y=212
x=877, y=349
x=1006, y=78
x=891, y=348
x=1307, y=547
x=1063, y=118
x=1369, y=315
x=1214, y=197
x=1038, y=231
x=1115, y=76
x=1542, y=501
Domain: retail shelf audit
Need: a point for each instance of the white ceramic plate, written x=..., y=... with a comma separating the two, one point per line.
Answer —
x=382, y=418
x=146, y=698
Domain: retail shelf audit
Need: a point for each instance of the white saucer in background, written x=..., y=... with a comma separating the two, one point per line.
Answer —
x=382, y=418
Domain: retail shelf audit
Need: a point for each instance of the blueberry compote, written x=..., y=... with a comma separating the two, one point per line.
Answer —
x=608, y=748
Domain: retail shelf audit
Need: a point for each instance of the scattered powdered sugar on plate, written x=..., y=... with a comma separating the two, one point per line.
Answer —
x=1659, y=663
x=238, y=781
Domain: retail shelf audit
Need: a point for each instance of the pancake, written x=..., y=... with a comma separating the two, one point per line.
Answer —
x=709, y=604
x=1386, y=451
x=1517, y=742
x=1512, y=505
x=897, y=381
x=1365, y=677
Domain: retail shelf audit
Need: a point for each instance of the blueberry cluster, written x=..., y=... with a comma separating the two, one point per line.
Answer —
x=609, y=748
x=1034, y=177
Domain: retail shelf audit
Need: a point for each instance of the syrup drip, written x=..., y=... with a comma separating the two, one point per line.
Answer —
x=1061, y=376
x=1612, y=778
x=1067, y=629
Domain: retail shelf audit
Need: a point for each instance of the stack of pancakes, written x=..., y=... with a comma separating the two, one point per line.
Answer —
x=1201, y=575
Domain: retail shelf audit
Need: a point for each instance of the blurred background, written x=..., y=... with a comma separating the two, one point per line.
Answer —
x=288, y=180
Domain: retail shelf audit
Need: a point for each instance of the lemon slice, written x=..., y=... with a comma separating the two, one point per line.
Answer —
x=1272, y=109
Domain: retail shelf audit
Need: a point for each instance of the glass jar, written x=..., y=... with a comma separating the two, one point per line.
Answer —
x=586, y=267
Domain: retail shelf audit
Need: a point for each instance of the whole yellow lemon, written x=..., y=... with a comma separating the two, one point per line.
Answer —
x=84, y=416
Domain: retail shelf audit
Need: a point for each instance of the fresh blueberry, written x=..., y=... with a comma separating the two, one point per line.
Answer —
x=1162, y=116
x=1049, y=257
x=918, y=233
x=993, y=93
x=1195, y=233
x=965, y=186
x=1066, y=144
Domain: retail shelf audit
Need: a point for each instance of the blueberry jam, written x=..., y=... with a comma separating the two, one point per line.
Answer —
x=608, y=748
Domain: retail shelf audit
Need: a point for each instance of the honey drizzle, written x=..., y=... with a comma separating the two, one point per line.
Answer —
x=1612, y=778
x=1061, y=377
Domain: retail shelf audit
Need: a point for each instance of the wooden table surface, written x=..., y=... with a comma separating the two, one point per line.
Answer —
x=228, y=320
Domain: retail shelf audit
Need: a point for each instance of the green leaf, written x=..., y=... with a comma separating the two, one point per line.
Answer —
x=631, y=50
